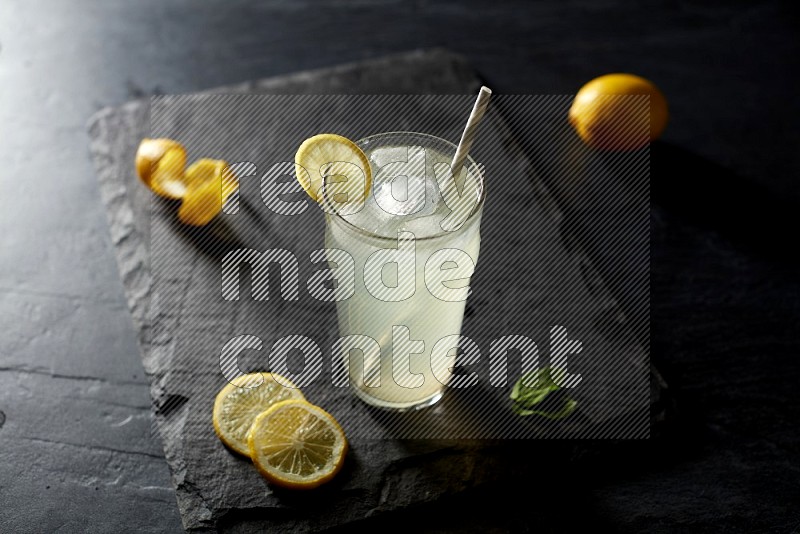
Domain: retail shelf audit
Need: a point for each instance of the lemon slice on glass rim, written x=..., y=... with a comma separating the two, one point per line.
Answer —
x=240, y=401
x=332, y=169
x=297, y=445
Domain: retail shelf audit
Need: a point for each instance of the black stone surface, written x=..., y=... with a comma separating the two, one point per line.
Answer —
x=161, y=261
x=724, y=297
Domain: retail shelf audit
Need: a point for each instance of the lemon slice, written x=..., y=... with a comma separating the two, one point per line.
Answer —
x=297, y=445
x=160, y=164
x=335, y=162
x=239, y=402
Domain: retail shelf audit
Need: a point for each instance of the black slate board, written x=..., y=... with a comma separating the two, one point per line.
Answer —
x=214, y=488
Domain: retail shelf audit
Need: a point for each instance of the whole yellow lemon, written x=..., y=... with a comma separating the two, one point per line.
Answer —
x=606, y=120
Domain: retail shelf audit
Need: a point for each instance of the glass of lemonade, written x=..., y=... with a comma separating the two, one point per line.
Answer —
x=414, y=249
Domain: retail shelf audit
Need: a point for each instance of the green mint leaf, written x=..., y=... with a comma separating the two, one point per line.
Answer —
x=569, y=407
x=533, y=388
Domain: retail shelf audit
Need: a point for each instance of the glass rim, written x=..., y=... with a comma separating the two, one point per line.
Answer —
x=472, y=214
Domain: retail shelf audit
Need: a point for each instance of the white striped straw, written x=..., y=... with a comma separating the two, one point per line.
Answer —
x=470, y=131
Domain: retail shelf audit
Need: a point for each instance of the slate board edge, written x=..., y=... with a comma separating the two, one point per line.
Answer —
x=130, y=241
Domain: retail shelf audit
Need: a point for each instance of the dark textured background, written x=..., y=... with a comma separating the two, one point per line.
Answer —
x=75, y=448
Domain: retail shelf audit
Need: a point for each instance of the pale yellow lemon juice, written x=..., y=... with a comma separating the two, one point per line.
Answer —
x=411, y=274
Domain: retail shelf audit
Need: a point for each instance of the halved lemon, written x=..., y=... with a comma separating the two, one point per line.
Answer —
x=208, y=183
x=239, y=402
x=160, y=164
x=297, y=445
x=336, y=163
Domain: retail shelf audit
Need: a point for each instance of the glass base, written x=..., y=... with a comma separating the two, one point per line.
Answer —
x=396, y=406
